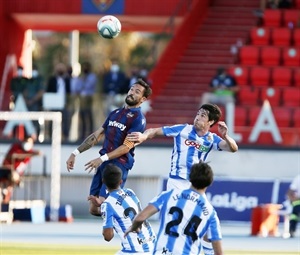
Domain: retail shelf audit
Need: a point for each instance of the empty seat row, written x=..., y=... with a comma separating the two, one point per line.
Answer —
x=270, y=55
x=265, y=76
x=281, y=17
x=253, y=96
x=280, y=36
x=284, y=116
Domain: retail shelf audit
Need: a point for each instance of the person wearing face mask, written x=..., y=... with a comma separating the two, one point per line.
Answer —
x=56, y=84
x=14, y=165
x=86, y=85
x=223, y=89
x=115, y=87
x=33, y=94
x=18, y=83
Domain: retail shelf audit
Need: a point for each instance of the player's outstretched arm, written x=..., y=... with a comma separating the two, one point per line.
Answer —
x=139, y=137
x=228, y=144
x=88, y=143
x=137, y=222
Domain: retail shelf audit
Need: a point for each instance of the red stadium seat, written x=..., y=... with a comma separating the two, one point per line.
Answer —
x=273, y=95
x=240, y=73
x=260, y=76
x=281, y=76
x=296, y=78
x=272, y=18
x=297, y=4
x=291, y=56
x=249, y=55
x=290, y=17
x=240, y=116
x=270, y=56
x=296, y=37
x=291, y=97
x=248, y=96
x=281, y=36
x=260, y=36
x=253, y=115
x=283, y=116
x=296, y=117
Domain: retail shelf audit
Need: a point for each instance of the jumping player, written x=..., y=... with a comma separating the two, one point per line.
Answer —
x=192, y=143
x=185, y=216
x=116, y=148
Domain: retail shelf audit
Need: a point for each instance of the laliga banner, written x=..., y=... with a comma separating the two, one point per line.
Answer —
x=102, y=6
x=234, y=200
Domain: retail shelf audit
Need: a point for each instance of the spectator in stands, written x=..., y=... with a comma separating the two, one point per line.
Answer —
x=56, y=84
x=118, y=215
x=115, y=87
x=33, y=94
x=72, y=98
x=86, y=85
x=223, y=89
x=275, y=4
x=272, y=4
x=18, y=83
x=133, y=77
x=14, y=165
x=293, y=194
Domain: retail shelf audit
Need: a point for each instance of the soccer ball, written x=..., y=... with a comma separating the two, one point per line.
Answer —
x=109, y=27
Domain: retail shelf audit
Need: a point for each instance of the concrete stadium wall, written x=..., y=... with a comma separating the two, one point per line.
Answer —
x=149, y=172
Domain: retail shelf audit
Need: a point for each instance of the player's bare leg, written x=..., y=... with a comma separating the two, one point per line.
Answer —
x=95, y=203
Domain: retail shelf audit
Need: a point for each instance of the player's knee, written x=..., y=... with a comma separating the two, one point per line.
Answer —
x=94, y=210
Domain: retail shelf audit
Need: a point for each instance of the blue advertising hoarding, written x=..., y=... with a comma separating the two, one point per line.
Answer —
x=235, y=199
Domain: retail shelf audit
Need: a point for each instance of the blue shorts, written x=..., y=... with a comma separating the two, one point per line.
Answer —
x=97, y=187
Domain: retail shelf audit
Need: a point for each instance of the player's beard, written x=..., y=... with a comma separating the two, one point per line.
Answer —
x=131, y=101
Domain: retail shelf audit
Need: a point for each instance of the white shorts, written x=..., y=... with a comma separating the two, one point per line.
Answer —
x=178, y=184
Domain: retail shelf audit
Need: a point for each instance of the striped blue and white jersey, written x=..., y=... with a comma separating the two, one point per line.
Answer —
x=185, y=217
x=118, y=211
x=189, y=148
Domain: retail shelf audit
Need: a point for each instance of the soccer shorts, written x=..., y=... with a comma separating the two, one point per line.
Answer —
x=178, y=184
x=98, y=188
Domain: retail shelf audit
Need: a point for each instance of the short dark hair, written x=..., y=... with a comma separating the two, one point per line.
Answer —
x=201, y=175
x=111, y=176
x=146, y=86
x=214, y=112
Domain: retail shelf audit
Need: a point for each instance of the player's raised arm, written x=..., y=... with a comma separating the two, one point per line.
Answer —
x=88, y=143
x=138, y=137
x=228, y=144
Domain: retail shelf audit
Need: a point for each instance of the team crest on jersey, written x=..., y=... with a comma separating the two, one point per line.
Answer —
x=209, y=138
x=103, y=5
x=129, y=115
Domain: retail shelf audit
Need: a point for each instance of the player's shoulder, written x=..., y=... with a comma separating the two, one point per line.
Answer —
x=128, y=190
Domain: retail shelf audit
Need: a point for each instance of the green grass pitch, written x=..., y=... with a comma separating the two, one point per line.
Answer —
x=53, y=249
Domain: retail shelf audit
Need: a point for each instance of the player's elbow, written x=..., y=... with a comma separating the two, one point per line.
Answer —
x=234, y=149
x=107, y=239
